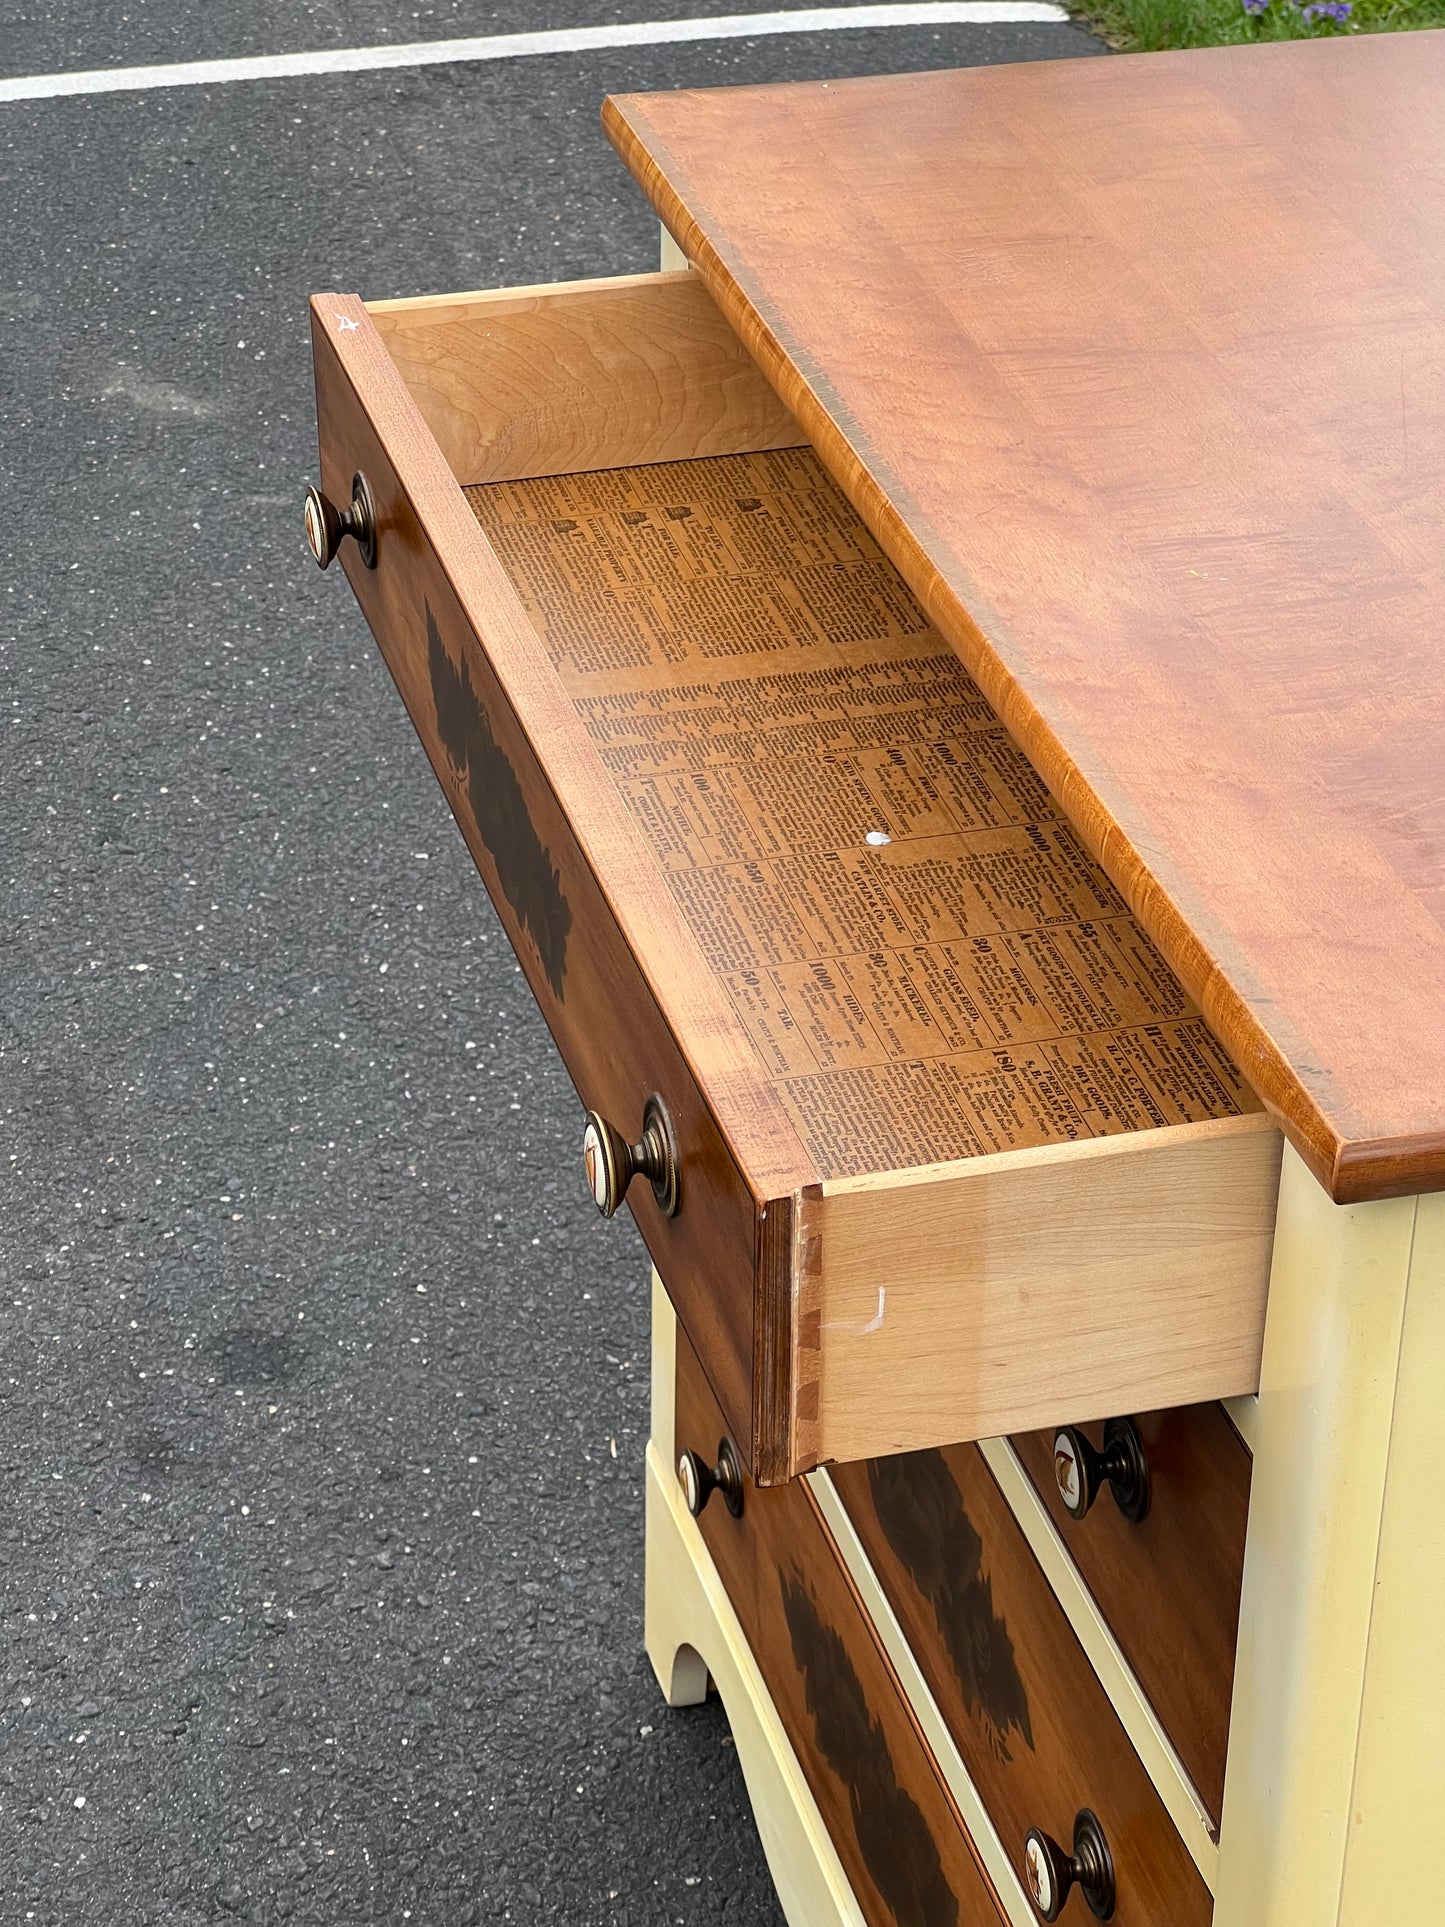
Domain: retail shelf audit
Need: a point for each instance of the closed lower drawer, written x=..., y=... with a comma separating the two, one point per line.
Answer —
x=1168, y=1584
x=1031, y=1723
x=955, y=1155
x=902, y=1843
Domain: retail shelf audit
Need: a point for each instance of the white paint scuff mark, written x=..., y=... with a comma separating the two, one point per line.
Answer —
x=516, y=46
x=875, y=1323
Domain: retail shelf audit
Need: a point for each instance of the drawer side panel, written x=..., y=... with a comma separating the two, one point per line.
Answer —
x=1067, y=1283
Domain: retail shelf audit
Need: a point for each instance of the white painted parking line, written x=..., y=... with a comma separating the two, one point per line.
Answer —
x=515, y=46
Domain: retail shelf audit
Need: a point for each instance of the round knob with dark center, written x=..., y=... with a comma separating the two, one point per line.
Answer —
x=1081, y=1471
x=327, y=526
x=700, y=1480
x=612, y=1163
x=1052, y=1874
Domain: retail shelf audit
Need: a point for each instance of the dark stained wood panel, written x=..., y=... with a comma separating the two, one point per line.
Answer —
x=480, y=694
x=898, y=1834
x=1137, y=369
x=1033, y=1725
x=1169, y=1586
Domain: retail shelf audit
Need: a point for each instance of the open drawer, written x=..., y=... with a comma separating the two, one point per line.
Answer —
x=943, y=1150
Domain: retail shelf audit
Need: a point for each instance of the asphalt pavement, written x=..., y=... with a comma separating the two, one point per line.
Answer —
x=323, y=1391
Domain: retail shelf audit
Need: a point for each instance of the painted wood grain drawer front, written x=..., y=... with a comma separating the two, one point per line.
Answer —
x=1034, y=1727
x=941, y=1148
x=1168, y=1585
x=901, y=1841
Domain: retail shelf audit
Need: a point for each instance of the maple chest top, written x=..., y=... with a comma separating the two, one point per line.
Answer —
x=1137, y=369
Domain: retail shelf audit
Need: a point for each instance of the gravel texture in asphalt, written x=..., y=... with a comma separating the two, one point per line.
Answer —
x=323, y=1392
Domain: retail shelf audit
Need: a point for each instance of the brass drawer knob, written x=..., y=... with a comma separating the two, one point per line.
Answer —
x=700, y=1480
x=327, y=526
x=612, y=1163
x=1052, y=1874
x=1123, y=1466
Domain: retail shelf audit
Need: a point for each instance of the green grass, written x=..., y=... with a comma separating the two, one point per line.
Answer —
x=1143, y=26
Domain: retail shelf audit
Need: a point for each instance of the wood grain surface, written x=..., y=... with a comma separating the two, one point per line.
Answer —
x=1137, y=370
x=897, y=1832
x=928, y=963
x=1031, y=1722
x=1169, y=1586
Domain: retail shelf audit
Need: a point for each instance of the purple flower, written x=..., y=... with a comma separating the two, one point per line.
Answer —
x=1256, y=6
x=1337, y=10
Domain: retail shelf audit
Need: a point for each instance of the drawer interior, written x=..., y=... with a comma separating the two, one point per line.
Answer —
x=961, y=1157
x=928, y=963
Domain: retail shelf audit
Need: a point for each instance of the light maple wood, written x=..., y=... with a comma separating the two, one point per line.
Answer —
x=1118, y=1275
x=1134, y=368
x=580, y=375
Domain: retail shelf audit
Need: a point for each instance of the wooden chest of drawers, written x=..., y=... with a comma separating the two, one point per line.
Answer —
x=939, y=1090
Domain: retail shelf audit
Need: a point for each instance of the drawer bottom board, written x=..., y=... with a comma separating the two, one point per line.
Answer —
x=929, y=964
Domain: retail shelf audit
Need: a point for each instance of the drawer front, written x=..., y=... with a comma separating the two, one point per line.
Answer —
x=1031, y=1722
x=897, y=1833
x=477, y=689
x=1169, y=1585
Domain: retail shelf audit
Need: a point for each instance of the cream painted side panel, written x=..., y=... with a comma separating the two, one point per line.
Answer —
x=1397, y=1820
x=1333, y=1330
x=1243, y=1413
x=664, y=1371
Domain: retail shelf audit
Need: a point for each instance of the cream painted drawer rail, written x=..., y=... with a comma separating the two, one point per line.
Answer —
x=938, y=1148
